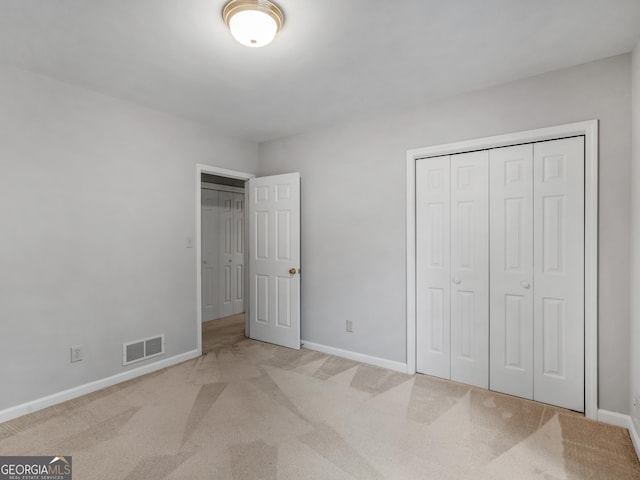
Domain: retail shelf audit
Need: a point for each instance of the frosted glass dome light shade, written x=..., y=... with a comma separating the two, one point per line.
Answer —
x=253, y=23
x=253, y=28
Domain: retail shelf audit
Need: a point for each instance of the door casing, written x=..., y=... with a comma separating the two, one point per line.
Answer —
x=590, y=131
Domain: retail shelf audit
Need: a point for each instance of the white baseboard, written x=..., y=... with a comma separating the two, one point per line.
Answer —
x=358, y=357
x=624, y=421
x=614, y=418
x=635, y=436
x=70, y=394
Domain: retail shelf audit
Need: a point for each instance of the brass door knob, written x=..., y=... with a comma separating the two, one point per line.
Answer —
x=293, y=271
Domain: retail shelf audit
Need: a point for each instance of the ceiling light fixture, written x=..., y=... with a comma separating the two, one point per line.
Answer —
x=253, y=23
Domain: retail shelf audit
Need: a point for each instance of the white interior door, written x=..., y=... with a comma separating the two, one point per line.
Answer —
x=226, y=254
x=558, y=303
x=511, y=262
x=274, y=259
x=433, y=272
x=209, y=242
x=470, y=268
x=237, y=259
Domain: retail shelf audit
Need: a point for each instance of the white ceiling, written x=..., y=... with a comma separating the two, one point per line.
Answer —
x=333, y=58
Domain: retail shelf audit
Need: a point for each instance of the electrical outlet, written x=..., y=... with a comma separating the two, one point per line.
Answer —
x=350, y=326
x=76, y=354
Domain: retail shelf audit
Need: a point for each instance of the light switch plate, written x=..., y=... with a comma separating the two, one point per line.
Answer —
x=76, y=354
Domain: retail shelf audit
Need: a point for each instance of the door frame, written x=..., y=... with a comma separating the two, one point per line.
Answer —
x=221, y=172
x=590, y=131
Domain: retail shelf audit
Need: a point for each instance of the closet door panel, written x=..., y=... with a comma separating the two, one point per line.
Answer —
x=210, y=270
x=226, y=254
x=511, y=266
x=470, y=268
x=433, y=266
x=237, y=289
x=559, y=273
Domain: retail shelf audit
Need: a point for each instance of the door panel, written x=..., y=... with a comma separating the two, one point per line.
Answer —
x=511, y=284
x=231, y=225
x=559, y=273
x=433, y=267
x=209, y=256
x=226, y=253
x=274, y=250
x=470, y=268
x=238, y=253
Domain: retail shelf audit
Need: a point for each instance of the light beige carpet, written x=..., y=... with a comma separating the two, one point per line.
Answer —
x=249, y=410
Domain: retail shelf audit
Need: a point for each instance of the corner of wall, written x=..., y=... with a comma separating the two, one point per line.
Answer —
x=622, y=421
x=634, y=322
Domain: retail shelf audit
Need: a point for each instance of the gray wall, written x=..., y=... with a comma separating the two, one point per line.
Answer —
x=353, y=205
x=635, y=237
x=96, y=199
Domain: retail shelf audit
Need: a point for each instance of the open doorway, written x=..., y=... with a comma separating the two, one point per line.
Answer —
x=222, y=240
x=221, y=245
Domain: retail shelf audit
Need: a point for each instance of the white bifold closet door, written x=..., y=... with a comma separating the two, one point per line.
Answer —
x=222, y=253
x=511, y=228
x=558, y=273
x=500, y=270
x=231, y=241
x=210, y=255
x=537, y=272
x=433, y=271
x=470, y=268
x=453, y=273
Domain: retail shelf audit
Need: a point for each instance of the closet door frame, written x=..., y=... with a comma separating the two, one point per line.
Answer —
x=588, y=129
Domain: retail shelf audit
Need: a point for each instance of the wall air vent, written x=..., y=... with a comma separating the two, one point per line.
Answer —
x=142, y=349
